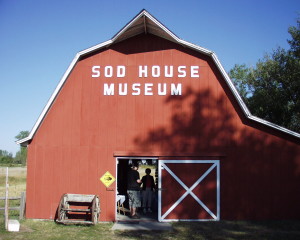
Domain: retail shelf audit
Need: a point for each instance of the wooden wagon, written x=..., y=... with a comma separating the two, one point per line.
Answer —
x=78, y=209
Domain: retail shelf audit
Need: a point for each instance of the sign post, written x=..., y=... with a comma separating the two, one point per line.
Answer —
x=6, y=200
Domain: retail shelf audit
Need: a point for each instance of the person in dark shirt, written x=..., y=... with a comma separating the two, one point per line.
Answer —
x=148, y=187
x=133, y=190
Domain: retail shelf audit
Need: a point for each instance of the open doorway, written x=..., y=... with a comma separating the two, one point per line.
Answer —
x=122, y=207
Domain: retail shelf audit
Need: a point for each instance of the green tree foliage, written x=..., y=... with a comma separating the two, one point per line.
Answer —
x=21, y=155
x=6, y=157
x=295, y=41
x=240, y=74
x=271, y=89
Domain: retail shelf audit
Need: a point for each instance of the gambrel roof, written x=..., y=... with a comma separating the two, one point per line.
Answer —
x=144, y=22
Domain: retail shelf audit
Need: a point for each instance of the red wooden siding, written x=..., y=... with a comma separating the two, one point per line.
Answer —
x=77, y=140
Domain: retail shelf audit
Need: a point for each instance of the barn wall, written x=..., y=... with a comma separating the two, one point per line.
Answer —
x=83, y=130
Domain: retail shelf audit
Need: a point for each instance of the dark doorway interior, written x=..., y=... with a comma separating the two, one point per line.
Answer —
x=123, y=166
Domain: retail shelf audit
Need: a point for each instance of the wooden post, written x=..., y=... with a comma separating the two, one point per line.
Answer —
x=6, y=200
x=22, y=205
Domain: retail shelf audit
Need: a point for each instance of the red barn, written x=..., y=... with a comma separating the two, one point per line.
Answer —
x=148, y=95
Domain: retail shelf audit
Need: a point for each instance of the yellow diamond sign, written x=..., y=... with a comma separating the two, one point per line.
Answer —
x=107, y=179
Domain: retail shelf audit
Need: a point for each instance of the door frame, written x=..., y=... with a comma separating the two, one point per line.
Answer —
x=116, y=173
x=162, y=166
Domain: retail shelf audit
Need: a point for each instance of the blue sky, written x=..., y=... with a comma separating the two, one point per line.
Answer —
x=39, y=39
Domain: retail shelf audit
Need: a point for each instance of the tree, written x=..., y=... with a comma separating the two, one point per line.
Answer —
x=295, y=41
x=272, y=89
x=21, y=155
x=240, y=75
x=6, y=157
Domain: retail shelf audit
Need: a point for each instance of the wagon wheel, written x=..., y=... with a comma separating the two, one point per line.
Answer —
x=98, y=207
x=95, y=210
x=61, y=213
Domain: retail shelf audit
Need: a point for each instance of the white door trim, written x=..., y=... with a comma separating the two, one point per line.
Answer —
x=162, y=166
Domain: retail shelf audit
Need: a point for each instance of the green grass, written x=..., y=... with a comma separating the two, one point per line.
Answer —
x=223, y=230
x=14, y=180
x=17, y=184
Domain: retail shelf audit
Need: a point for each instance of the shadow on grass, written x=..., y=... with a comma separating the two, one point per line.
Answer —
x=225, y=230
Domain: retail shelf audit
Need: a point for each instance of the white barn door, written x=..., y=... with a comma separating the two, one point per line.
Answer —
x=189, y=190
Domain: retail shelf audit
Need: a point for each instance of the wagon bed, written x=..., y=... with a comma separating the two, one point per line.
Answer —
x=78, y=209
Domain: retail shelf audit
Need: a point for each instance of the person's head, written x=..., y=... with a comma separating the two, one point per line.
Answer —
x=135, y=166
x=148, y=171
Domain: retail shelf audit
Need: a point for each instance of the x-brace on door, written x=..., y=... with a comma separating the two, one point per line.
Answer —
x=189, y=190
